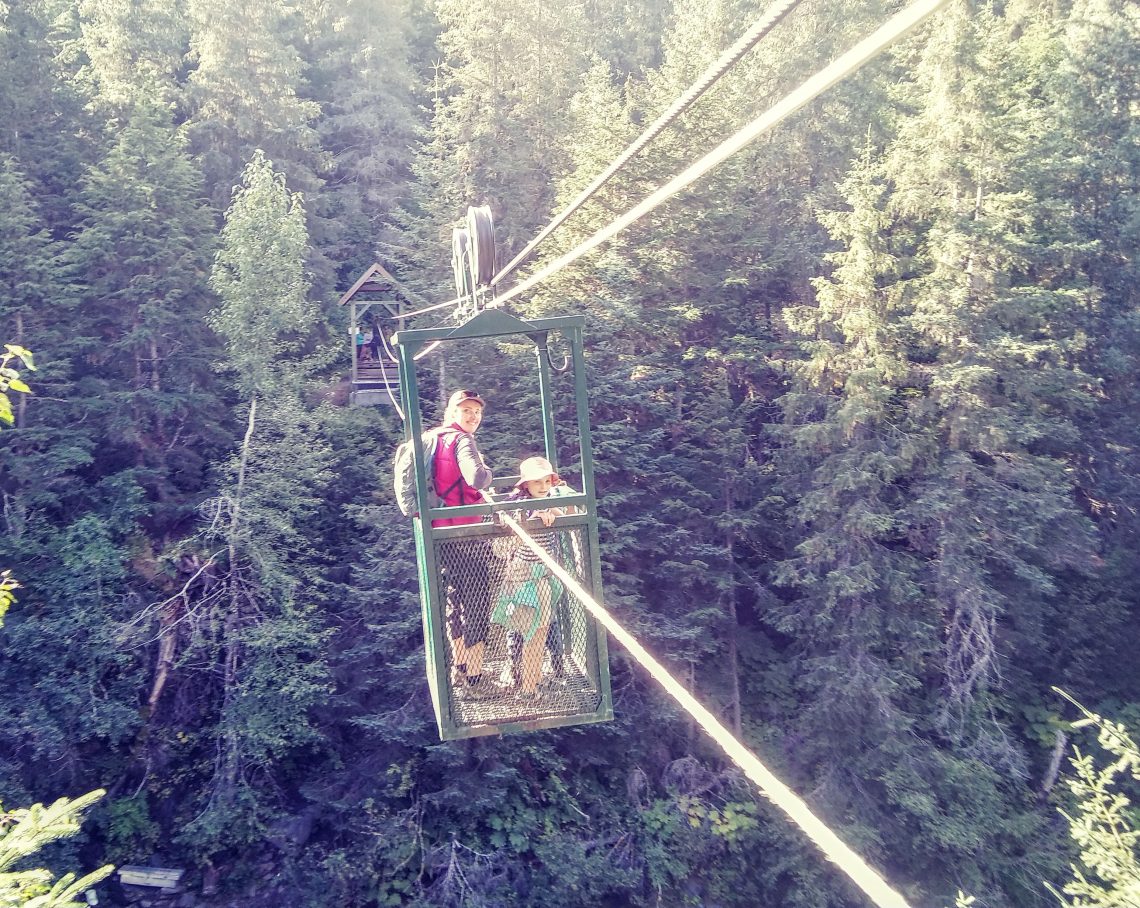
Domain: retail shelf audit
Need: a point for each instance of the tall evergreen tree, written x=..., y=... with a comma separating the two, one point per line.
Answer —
x=43, y=123
x=496, y=136
x=247, y=90
x=67, y=533
x=364, y=81
x=931, y=451
x=26, y=261
x=133, y=51
x=38, y=462
x=139, y=261
x=1088, y=161
x=1003, y=387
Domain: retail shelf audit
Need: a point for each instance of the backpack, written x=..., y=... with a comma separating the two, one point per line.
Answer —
x=404, y=473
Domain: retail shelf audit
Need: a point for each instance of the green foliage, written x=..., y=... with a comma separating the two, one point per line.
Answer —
x=259, y=275
x=24, y=832
x=24, y=261
x=131, y=833
x=264, y=636
x=931, y=446
x=132, y=51
x=7, y=584
x=246, y=90
x=1103, y=823
x=10, y=381
x=10, y=378
x=140, y=256
x=863, y=406
x=43, y=123
x=365, y=83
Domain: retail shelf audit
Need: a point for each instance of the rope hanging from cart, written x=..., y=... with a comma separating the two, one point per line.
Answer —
x=794, y=807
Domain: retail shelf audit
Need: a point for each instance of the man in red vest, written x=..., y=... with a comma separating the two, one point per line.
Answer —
x=460, y=473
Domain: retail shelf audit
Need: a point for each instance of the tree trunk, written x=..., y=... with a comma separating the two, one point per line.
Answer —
x=730, y=612
x=21, y=399
x=167, y=641
x=1054, y=769
x=156, y=387
x=229, y=758
x=136, y=408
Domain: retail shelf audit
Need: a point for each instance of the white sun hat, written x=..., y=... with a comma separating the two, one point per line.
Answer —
x=536, y=468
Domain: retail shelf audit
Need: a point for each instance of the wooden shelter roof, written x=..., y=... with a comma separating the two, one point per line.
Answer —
x=375, y=279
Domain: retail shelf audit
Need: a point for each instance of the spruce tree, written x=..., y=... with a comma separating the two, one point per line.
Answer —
x=65, y=532
x=1088, y=162
x=43, y=123
x=1101, y=822
x=1001, y=386
x=26, y=260
x=504, y=135
x=363, y=78
x=247, y=91
x=930, y=455
x=139, y=262
x=26, y=831
x=133, y=52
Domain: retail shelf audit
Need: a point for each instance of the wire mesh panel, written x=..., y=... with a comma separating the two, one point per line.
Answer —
x=518, y=646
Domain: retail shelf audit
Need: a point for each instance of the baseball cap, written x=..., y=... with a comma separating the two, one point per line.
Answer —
x=464, y=395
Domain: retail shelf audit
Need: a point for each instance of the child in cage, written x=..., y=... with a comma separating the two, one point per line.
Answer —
x=526, y=604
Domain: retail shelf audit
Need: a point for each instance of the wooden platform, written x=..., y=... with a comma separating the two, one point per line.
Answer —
x=377, y=384
x=378, y=373
x=154, y=877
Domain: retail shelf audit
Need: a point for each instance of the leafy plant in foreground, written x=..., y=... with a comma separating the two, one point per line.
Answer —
x=1103, y=823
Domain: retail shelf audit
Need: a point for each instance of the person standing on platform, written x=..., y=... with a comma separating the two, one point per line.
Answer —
x=374, y=343
x=460, y=474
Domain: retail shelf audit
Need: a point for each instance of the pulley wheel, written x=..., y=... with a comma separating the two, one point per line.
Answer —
x=461, y=262
x=481, y=231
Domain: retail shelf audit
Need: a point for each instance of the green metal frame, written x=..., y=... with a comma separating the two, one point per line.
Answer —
x=491, y=323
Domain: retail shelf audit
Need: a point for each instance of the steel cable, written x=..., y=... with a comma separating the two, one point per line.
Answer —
x=414, y=313
x=867, y=49
x=387, y=384
x=727, y=60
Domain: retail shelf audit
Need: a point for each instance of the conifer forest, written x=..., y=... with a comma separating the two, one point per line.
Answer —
x=865, y=405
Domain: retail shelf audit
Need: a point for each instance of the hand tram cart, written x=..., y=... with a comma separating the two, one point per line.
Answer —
x=575, y=687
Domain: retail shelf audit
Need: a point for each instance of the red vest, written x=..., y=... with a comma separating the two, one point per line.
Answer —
x=449, y=482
